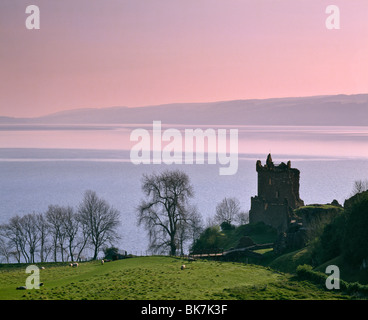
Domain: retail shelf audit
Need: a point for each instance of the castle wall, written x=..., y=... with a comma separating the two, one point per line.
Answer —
x=278, y=185
x=278, y=194
x=273, y=214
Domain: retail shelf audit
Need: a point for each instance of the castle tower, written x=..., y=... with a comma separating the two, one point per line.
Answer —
x=278, y=194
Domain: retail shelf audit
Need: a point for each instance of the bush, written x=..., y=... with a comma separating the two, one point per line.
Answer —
x=331, y=238
x=329, y=244
x=259, y=232
x=244, y=242
x=356, y=235
x=209, y=241
x=227, y=226
x=346, y=235
x=306, y=272
x=111, y=253
x=355, y=288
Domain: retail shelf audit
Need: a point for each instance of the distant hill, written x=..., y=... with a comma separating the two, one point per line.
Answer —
x=318, y=110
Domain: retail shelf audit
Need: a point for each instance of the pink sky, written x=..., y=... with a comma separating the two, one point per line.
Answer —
x=91, y=53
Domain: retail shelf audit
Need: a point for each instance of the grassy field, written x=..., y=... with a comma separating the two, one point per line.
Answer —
x=160, y=278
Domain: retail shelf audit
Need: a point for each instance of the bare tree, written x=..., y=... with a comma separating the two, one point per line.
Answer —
x=43, y=227
x=54, y=226
x=19, y=238
x=54, y=217
x=210, y=222
x=189, y=229
x=13, y=231
x=4, y=247
x=227, y=210
x=9, y=243
x=100, y=219
x=242, y=217
x=83, y=236
x=70, y=228
x=196, y=225
x=28, y=223
x=166, y=208
x=360, y=186
x=181, y=236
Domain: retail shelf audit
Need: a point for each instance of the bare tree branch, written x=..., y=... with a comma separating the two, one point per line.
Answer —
x=100, y=219
x=166, y=210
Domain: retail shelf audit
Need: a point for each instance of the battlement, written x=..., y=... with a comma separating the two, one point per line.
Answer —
x=271, y=166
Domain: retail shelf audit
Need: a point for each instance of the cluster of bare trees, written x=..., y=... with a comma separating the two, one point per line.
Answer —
x=62, y=233
x=229, y=211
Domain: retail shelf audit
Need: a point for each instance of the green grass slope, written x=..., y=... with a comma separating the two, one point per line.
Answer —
x=288, y=262
x=160, y=278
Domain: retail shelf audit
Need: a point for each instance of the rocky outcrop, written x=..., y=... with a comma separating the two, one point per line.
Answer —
x=292, y=239
x=309, y=222
x=354, y=199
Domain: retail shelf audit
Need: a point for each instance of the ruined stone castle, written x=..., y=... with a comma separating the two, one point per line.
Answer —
x=278, y=194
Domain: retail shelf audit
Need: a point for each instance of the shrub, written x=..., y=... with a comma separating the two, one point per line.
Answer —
x=244, y=242
x=209, y=240
x=331, y=238
x=329, y=244
x=306, y=272
x=227, y=226
x=345, y=235
x=356, y=236
x=111, y=253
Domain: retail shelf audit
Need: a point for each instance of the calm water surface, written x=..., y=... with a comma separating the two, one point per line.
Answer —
x=42, y=165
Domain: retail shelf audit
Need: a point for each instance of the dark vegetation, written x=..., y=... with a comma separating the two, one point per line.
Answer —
x=306, y=272
x=345, y=239
x=227, y=237
x=340, y=240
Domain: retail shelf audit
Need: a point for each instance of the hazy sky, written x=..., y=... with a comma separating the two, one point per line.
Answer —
x=104, y=53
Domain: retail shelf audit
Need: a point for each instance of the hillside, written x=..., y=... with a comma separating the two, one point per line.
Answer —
x=160, y=278
x=335, y=110
x=329, y=235
x=336, y=237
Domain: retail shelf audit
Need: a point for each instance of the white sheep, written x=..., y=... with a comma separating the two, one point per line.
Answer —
x=182, y=267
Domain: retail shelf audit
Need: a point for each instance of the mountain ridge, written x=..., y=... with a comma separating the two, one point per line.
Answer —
x=314, y=110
